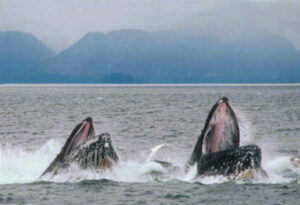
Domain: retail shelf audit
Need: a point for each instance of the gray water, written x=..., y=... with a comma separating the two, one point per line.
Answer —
x=36, y=120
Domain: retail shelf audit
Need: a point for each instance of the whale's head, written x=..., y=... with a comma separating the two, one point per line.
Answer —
x=97, y=153
x=81, y=134
x=221, y=131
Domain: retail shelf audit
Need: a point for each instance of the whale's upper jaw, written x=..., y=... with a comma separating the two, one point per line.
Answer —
x=221, y=130
x=107, y=147
x=223, y=100
x=105, y=141
x=97, y=153
x=83, y=132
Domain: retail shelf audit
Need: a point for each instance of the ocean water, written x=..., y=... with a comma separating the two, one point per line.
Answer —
x=146, y=122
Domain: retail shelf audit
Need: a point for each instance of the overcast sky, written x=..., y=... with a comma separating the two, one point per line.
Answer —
x=59, y=23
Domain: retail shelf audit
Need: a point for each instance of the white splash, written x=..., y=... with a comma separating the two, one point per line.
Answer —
x=20, y=166
x=154, y=150
x=23, y=166
x=246, y=134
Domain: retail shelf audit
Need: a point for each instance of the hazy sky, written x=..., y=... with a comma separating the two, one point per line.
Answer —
x=59, y=23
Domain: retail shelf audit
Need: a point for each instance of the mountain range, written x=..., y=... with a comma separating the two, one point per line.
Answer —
x=135, y=56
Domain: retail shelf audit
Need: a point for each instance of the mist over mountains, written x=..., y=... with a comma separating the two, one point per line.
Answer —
x=135, y=56
x=21, y=54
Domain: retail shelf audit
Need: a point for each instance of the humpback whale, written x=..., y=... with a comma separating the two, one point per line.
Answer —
x=85, y=149
x=217, y=150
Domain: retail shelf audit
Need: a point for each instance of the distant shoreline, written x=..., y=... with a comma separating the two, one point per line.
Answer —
x=151, y=85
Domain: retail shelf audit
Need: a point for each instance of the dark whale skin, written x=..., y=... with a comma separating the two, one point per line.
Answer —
x=230, y=162
x=217, y=150
x=85, y=149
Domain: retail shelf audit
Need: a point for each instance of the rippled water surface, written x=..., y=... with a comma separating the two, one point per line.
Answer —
x=146, y=122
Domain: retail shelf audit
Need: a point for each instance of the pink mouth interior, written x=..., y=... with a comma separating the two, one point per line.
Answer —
x=214, y=145
x=83, y=137
x=85, y=132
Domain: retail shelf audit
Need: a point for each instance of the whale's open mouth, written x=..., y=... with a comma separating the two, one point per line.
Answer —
x=221, y=131
x=217, y=150
x=81, y=133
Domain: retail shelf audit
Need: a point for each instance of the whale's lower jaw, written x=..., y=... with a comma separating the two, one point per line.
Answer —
x=230, y=162
x=91, y=161
x=106, y=163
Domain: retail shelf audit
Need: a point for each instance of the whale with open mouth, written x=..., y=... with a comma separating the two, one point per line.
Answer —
x=217, y=150
x=85, y=149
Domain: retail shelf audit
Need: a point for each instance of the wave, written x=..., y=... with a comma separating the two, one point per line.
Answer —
x=25, y=166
